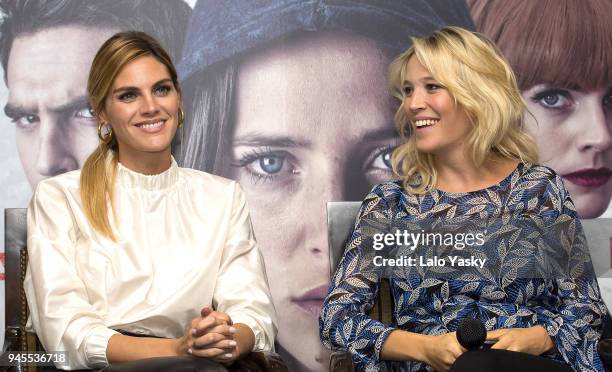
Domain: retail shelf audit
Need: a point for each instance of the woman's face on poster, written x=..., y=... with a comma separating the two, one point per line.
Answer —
x=314, y=123
x=573, y=129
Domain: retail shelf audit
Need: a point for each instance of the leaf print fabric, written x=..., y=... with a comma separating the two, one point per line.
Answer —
x=569, y=306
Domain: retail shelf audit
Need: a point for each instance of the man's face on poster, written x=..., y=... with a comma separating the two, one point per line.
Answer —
x=47, y=75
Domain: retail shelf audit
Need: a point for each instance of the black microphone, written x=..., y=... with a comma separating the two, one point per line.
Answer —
x=471, y=334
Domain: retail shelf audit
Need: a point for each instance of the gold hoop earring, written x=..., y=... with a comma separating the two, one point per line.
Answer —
x=181, y=117
x=106, y=138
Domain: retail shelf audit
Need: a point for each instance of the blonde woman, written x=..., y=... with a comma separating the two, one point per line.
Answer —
x=466, y=156
x=133, y=243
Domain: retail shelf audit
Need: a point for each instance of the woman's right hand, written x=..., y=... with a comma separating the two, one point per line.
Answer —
x=441, y=351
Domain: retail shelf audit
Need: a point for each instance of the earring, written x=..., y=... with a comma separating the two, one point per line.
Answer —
x=181, y=117
x=108, y=136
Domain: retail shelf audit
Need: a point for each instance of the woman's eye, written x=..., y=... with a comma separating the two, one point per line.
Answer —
x=86, y=113
x=26, y=121
x=382, y=160
x=433, y=86
x=554, y=99
x=162, y=90
x=269, y=164
x=407, y=90
x=127, y=96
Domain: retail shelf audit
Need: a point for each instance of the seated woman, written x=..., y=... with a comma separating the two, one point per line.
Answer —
x=134, y=243
x=466, y=156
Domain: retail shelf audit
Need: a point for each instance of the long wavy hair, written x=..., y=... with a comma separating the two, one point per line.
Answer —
x=481, y=83
x=98, y=173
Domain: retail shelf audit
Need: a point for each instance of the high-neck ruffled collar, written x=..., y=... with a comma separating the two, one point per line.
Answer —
x=128, y=178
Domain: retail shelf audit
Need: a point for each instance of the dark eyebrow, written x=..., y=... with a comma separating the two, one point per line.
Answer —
x=125, y=89
x=14, y=112
x=381, y=134
x=76, y=103
x=135, y=89
x=163, y=81
x=259, y=139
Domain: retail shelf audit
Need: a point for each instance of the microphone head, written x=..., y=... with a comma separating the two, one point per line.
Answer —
x=471, y=333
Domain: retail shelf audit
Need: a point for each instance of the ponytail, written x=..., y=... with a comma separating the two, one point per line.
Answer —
x=98, y=186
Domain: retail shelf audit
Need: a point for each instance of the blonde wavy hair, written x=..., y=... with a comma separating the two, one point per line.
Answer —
x=98, y=173
x=482, y=84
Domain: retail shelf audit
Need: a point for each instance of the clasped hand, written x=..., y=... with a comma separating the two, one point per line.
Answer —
x=210, y=336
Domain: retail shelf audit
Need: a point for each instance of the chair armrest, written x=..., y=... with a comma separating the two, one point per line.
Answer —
x=12, y=337
x=341, y=361
x=14, y=342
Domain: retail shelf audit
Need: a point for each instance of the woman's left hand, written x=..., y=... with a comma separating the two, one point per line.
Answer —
x=533, y=340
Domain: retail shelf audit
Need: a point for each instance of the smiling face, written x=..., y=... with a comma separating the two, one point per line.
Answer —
x=142, y=110
x=55, y=129
x=439, y=126
x=314, y=123
x=573, y=129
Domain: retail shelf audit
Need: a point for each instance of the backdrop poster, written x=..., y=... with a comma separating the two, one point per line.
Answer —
x=290, y=99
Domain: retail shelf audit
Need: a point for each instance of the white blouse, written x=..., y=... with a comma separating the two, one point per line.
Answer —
x=184, y=241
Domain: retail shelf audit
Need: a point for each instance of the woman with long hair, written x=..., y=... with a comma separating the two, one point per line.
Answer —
x=289, y=98
x=466, y=162
x=132, y=245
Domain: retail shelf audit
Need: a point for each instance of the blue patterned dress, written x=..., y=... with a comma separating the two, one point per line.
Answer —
x=570, y=309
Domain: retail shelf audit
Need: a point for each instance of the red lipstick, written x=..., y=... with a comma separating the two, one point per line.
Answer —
x=590, y=177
